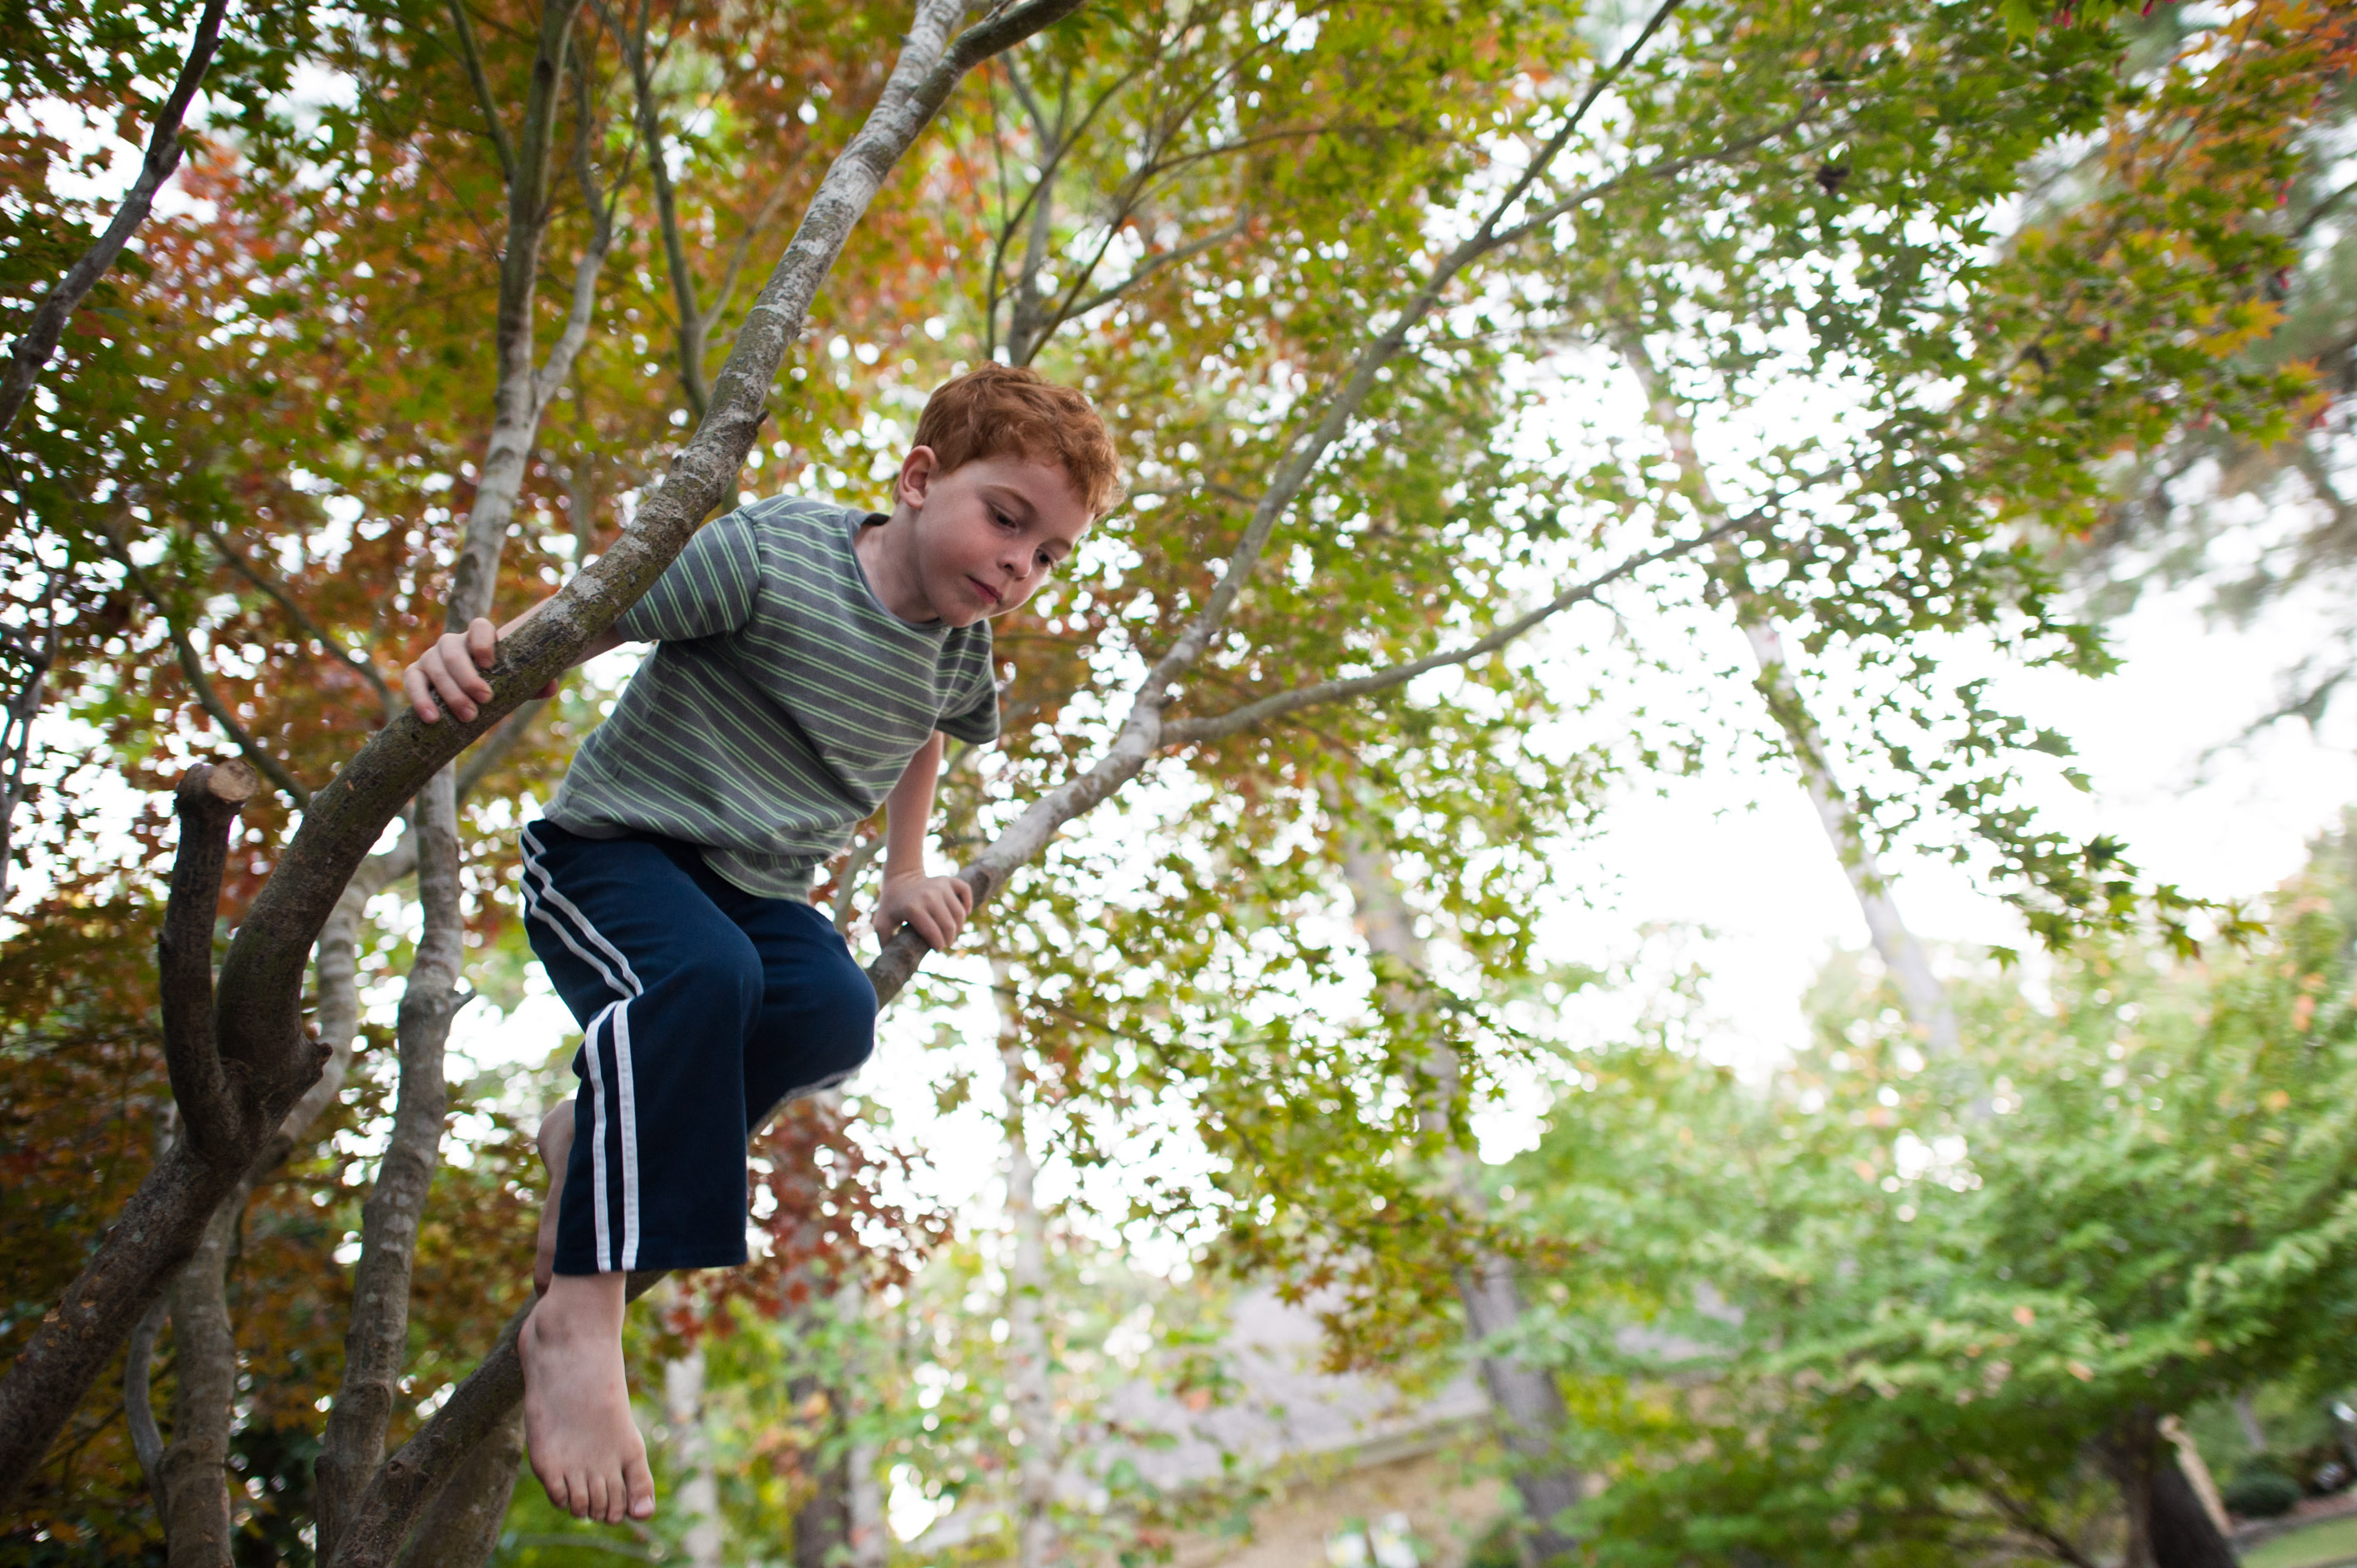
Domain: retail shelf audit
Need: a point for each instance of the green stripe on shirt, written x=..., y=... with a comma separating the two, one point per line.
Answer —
x=781, y=704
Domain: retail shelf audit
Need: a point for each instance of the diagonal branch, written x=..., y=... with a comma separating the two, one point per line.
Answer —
x=1186, y=732
x=328, y=642
x=192, y=666
x=472, y=54
x=632, y=42
x=29, y=354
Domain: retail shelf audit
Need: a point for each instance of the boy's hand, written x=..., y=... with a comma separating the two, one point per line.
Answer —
x=934, y=907
x=452, y=671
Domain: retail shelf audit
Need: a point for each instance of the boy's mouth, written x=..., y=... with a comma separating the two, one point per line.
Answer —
x=987, y=591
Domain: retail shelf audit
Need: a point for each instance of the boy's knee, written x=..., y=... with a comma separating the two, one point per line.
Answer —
x=719, y=970
x=846, y=1018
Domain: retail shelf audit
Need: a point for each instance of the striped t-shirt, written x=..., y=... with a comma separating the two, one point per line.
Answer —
x=780, y=705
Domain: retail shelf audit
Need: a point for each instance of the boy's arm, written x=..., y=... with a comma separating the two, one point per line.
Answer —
x=451, y=670
x=935, y=907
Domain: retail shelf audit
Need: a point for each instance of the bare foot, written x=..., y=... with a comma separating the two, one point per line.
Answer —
x=585, y=1447
x=556, y=1142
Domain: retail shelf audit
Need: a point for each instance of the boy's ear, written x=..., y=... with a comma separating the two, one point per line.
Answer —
x=917, y=470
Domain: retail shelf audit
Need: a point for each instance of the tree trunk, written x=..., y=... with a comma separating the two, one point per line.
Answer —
x=2166, y=1525
x=823, y=1525
x=204, y=1338
x=698, y=1489
x=376, y=1343
x=2246, y=1416
x=195, y=1506
x=1030, y=1396
x=1902, y=956
x=871, y=1540
x=1525, y=1401
x=462, y=1528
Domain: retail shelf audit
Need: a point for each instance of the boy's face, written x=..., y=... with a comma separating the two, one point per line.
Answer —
x=987, y=534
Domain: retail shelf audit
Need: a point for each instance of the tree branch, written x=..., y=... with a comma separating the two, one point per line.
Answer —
x=192, y=666
x=1186, y=732
x=485, y=98
x=261, y=986
x=1140, y=736
x=24, y=707
x=29, y=354
x=139, y=1399
x=632, y=42
x=206, y=803
x=376, y=1345
x=303, y=623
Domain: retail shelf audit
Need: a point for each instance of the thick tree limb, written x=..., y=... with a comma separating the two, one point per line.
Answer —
x=409, y=1482
x=220, y=1102
x=462, y=1528
x=208, y=804
x=194, y=1502
x=29, y=354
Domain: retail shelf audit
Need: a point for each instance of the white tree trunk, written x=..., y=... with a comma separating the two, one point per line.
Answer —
x=1525, y=1401
x=1029, y=1395
x=691, y=1448
x=1902, y=956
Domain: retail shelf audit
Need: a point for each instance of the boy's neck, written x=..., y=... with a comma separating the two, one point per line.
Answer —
x=888, y=554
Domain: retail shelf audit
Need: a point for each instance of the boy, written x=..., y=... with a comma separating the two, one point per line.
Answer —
x=809, y=660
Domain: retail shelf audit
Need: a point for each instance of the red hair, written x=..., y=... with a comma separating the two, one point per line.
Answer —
x=997, y=410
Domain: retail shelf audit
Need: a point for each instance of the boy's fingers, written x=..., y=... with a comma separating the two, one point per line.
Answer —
x=420, y=692
x=483, y=641
x=963, y=894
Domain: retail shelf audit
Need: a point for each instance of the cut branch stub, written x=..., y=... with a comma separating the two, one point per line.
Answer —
x=208, y=802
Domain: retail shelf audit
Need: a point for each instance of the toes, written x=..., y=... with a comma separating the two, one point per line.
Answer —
x=641, y=1484
x=598, y=1509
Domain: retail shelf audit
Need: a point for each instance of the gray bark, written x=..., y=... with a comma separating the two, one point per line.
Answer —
x=1903, y=958
x=698, y=1488
x=194, y=1502
x=1030, y=1396
x=1525, y=1400
x=462, y=1528
x=376, y=1343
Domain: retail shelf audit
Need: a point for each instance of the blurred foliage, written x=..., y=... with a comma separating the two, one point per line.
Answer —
x=1885, y=1309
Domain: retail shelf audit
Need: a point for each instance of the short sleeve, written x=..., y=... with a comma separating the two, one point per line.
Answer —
x=975, y=720
x=709, y=589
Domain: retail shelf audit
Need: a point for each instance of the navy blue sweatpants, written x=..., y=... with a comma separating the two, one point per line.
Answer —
x=702, y=1006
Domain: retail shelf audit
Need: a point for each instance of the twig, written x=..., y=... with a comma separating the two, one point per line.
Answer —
x=300, y=616
x=29, y=354
x=1183, y=732
x=192, y=665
